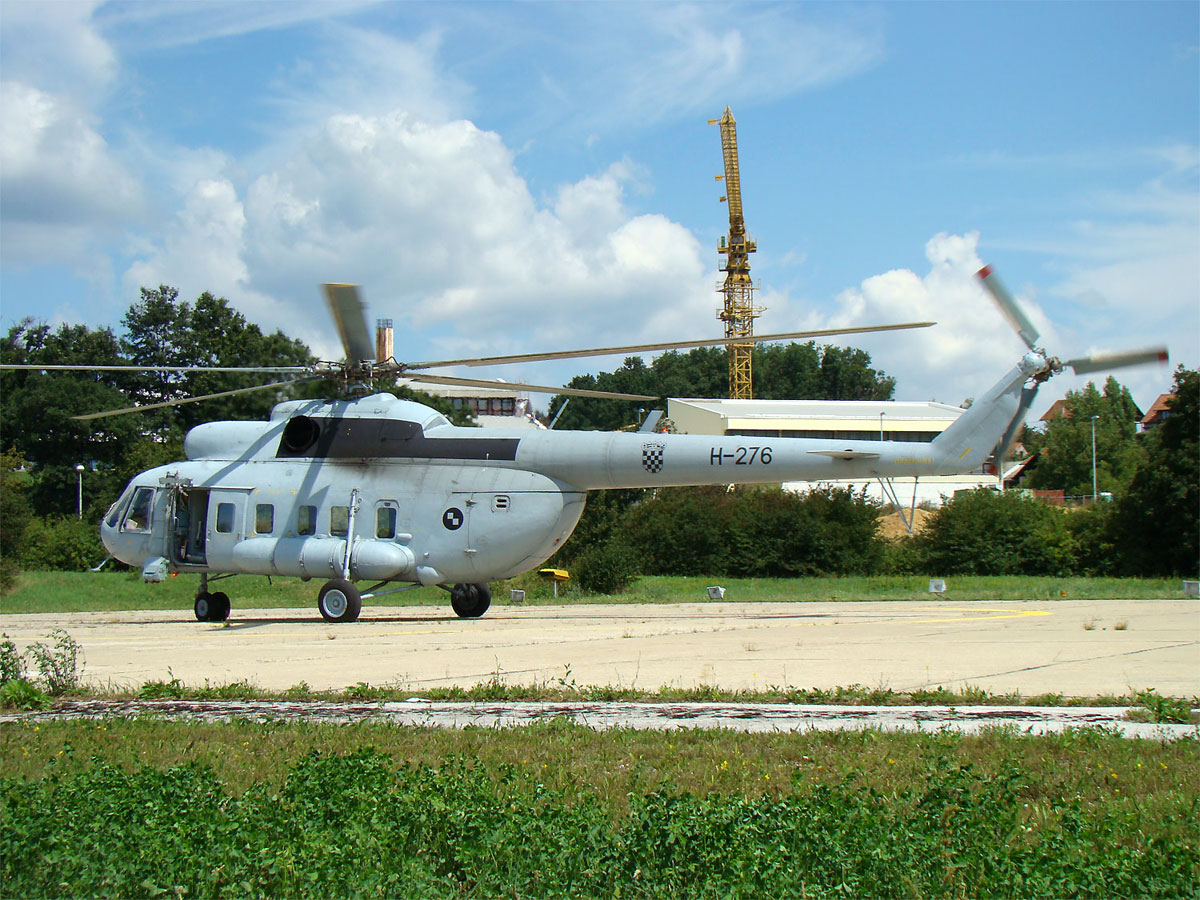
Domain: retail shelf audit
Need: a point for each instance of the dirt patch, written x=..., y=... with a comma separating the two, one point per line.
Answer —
x=891, y=527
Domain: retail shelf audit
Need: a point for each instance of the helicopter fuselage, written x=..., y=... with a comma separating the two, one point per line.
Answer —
x=388, y=490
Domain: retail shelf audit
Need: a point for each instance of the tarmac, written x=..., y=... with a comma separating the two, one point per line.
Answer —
x=1078, y=648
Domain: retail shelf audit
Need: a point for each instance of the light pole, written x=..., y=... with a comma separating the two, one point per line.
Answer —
x=79, y=474
x=1094, y=418
x=881, y=427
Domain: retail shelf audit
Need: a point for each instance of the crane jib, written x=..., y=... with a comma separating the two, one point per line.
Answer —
x=354, y=438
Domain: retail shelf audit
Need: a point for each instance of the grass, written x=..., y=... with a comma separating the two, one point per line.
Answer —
x=66, y=592
x=151, y=808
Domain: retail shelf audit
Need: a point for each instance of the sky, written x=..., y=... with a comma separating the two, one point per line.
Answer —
x=518, y=177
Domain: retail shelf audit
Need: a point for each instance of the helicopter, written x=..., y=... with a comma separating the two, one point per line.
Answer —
x=385, y=490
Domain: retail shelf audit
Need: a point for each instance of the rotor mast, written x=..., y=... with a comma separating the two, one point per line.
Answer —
x=738, y=312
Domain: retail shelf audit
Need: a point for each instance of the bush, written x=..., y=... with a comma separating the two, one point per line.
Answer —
x=605, y=568
x=66, y=544
x=754, y=532
x=986, y=532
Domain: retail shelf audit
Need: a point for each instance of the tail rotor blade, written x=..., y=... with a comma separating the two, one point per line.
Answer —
x=1008, y=306
x=1105, y=362
x=349, y=314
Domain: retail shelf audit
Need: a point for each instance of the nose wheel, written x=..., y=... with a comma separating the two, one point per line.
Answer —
x=211, y=607
x=470, y=601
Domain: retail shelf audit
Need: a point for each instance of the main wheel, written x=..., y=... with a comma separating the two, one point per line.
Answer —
x=203, y=607
x=219, y=607
x=339, y=601
x=470, y=601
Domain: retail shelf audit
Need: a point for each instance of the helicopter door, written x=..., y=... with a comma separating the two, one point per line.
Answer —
x=189, y=532
x=226, y=523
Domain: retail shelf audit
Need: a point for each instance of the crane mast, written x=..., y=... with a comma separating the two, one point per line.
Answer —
x=738, y=312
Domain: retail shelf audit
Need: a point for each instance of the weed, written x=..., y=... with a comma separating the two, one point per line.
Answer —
x=18, y=693
x=1121, y=626
x=12, y=662
x=57, y=667
x=163, y=690
x=1165, y=709
x=1089, y=625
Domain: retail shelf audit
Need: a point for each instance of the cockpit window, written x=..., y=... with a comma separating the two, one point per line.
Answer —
x=113, y=518
x=138, y=518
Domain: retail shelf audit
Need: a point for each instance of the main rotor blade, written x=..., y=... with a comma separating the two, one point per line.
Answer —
x=1105, y=362
x=274, y=370
x=519, y=386
x=349, y=314
x=1009, y=307
x=670, y=345
x=133, y=409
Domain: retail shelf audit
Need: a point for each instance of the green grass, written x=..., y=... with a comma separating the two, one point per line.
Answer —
x=151, y=808
x=41, y=592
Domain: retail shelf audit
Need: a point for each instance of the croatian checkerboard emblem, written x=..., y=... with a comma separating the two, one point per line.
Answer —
x=452, y=518
x=652, y=457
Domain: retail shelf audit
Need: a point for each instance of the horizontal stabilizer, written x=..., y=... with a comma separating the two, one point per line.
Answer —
x=845, y=454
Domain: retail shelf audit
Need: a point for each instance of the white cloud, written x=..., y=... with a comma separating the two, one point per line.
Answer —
x=442, y=231
x=57, y=47
x=968, y=349
x=62, y=188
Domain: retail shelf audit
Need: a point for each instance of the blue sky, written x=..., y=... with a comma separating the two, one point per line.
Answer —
x=525, y=176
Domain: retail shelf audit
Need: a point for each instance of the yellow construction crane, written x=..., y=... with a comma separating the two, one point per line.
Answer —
x=739, y=311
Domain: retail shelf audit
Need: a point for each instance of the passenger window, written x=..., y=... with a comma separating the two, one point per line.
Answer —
x=225, y=518
x=339, y=521
x=385, y=522
x=140, y=510
x=264, y=518
x=306, y=520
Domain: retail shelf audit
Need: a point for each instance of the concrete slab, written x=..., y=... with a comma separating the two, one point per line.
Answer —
x=1077, y=648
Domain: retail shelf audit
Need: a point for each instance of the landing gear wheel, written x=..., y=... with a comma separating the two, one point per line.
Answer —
x=339, y=601
x=211, y=607
x=203, y=607
x=219, y=607
x=470, y=601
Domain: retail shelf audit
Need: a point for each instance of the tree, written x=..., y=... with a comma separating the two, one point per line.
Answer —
x=1155, y=523
x=1065, y=449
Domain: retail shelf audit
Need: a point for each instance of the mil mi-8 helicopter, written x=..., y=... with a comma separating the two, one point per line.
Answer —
x=387, y=490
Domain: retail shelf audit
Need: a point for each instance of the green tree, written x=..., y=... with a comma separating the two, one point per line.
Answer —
x=1155, y=528
x=1065, y=449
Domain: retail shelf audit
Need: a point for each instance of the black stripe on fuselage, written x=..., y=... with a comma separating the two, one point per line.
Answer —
x=391, y=439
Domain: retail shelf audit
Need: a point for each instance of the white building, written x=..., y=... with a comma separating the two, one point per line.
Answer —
x=498, y=407
x=844, y=420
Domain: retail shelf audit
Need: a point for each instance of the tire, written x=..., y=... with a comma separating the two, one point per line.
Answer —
x=219, y=607
x=470, y=601
x=339, y=601
x=203, y=607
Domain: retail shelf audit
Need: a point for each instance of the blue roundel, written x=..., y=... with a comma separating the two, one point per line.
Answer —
x=453, y=518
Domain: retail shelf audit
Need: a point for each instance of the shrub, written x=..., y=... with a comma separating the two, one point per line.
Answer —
x=66, y=544
x=605, y=568
x=754, y=532
x=986, y=532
